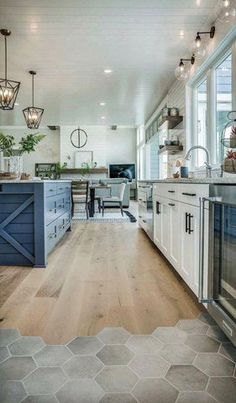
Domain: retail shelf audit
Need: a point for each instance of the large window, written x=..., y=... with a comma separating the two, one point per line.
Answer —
x=223, y=81
x=213, y=97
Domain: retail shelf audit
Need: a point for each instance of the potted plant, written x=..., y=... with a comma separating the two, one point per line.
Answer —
x=230, y=162
x=59, y=169
x=85, y=170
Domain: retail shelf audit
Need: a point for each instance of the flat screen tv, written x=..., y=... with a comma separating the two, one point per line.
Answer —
x=122, y=171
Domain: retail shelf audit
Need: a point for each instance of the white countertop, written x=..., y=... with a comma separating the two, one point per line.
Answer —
x=193, y=180
x=33, y=181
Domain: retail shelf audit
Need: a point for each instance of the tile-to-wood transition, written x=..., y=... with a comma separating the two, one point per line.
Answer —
x=101, y=274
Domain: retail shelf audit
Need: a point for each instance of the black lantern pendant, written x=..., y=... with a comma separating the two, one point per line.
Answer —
x=8, y=88
x=32, y=114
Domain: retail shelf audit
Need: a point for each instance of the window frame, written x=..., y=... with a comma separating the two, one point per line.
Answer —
x=208, y=70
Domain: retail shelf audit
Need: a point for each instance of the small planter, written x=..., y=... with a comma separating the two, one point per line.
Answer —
x=229, y=165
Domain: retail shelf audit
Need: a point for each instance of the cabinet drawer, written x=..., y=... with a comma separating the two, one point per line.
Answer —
x=50, y=189
x=63, y=187
x=169, y=190
x=51, y=236
x=51, y=210
x=191, y=193
x=62, y=224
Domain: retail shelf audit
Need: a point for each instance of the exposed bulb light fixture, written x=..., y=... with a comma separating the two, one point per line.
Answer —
x=227, y=11
x=33, y=114
x=182, y=70
x=107, y=71
x=198, y=47
x=8, y=88
x=102, y=103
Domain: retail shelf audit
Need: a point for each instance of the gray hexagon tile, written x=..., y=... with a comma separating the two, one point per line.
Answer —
x=217, y=333
x=178, y=354
x=7, y=336
x=228, y=350
x=3, y=354
x=82, y=367
x=170, y=335
x=11, y=392
x=223, y=389
x=192, y=326
x=207, y=319
x=155, y=390
x=80, y=391
x=116, y=379
x=149, y=366
x=114, y=335
x=53, y=356
x=195, y=397
x=85, y=345
x=144, y=344
x=187, y=378
x=16, y=368
x=26, y=345
x=40, y=399
x=118, y=398
x=202, y=344
x=44, y=380
x=115, y=355
x=214, y=364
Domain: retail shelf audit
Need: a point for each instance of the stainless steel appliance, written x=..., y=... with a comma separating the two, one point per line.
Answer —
x=221, y=290
x=145, y=207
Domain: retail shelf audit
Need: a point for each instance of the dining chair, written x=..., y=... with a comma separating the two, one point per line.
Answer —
x=80, y=195
x=115, y=199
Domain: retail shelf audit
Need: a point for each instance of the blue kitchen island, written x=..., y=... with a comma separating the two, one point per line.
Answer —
x=34, y=216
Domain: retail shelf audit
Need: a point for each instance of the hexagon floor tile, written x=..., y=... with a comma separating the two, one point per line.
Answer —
x=190, y=362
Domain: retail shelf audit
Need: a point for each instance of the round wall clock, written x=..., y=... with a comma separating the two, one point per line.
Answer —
x=78, y=138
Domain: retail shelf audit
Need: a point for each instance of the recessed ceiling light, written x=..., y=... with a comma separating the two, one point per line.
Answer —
x=102, y=103
x=16, y=104
x=107, y=71
x=181, y=33
x=103, y=117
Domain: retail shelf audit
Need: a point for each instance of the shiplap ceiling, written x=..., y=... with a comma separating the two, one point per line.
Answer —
x=70, y=43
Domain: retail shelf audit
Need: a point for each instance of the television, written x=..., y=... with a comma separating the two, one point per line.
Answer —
x=126, y=171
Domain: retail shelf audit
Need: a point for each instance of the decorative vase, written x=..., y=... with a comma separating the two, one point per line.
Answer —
x=15, y=165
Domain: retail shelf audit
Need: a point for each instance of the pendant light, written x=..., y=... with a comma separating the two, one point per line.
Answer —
x=199, y=46
x=8, y=88
x=182, y=70
x=33, y=114
x=227, y=11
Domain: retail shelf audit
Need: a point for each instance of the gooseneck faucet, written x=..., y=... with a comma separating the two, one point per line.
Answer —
x=207, y=162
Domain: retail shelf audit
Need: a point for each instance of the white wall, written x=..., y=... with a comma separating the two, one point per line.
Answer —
x=48, y=150
x=108, y=146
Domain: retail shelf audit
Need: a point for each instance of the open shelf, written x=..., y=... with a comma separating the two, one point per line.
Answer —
x=173, y=121
x=81, y=170
x=171, y=149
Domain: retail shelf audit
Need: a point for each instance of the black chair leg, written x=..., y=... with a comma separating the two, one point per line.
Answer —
x=103, y=208
x=87, y=211
x=121, y=209
x=99, y=205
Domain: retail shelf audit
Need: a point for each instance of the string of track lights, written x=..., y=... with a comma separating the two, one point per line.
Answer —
x=225, y=13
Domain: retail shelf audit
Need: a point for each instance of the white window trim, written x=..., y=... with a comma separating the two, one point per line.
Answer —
x=208, y=69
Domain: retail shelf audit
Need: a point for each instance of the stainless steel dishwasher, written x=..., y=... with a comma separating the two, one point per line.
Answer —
x=145, y=207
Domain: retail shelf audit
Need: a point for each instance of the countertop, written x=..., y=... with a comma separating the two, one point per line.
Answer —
x=33, y=181
x=216, y=180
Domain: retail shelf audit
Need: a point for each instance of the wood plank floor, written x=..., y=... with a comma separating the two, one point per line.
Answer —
x=101, y=274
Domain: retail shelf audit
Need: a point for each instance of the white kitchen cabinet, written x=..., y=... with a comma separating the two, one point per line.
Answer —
x=160, y=224
x=173, y=229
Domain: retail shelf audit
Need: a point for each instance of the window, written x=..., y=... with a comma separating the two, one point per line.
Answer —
x=201, y=120
x=223, y=81
x=213, y=95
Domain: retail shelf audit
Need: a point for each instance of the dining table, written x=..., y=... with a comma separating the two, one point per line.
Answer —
x=92, y=192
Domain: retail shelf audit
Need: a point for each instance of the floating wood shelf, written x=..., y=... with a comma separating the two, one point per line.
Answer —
x=81, y=170
x=173, y=121
x=171, y=149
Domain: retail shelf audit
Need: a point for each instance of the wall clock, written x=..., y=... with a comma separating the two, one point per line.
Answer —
x=78, y=138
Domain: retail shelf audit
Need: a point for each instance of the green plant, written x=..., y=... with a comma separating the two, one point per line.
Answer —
x=59, y=168
x=85, y=170
x=7, y=143
x=28, y=143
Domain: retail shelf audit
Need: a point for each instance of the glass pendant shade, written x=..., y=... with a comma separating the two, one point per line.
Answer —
x=33, y=114
x=8, y=88
x=198, y=49
x=182, y=72
x=227, y=11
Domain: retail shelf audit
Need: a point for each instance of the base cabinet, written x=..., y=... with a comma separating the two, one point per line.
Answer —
x=177, y=231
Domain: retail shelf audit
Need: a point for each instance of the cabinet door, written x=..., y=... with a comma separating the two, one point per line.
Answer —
x=157, y=221
x=189, y=250
x=161, y=224
x=174, y=239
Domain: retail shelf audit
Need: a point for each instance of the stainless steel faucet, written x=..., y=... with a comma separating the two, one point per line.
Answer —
x=207, y=162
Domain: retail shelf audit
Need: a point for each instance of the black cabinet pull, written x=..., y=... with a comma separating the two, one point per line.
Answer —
x=189, y=194
x=158, y=208
x=172, y=204
x=190, y=230
x=186, y=222
x=171, y=191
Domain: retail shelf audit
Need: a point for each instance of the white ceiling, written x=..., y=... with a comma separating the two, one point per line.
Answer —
x=70, y=43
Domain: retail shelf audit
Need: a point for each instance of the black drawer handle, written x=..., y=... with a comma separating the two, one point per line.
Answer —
x=158, y=208
x=51, y=190
x=171, y=191
x=186, y=222
x=172, y=204
x=60, y=188
x=190, y=230
x=189, y=194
